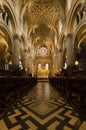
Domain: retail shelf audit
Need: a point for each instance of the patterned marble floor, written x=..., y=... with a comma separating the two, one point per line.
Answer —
x=42, y=108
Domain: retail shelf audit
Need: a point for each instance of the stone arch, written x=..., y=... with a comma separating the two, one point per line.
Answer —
x=9, y=9
x=8, y=6
x=73, y=14
x=11, y=26
x=79, y=35
x=7, y=37
x=23, y=10
x=80, y=45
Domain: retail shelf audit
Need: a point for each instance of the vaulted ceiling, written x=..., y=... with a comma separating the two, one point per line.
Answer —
x=43, y=18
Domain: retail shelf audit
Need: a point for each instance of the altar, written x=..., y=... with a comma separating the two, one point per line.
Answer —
x=42, y=73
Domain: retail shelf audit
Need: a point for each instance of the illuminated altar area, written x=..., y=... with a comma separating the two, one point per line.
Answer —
x=42, y=61
x=43, y=73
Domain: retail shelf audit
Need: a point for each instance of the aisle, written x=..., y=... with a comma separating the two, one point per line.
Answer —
x=41, y=109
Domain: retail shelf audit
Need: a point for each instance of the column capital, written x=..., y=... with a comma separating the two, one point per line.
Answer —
x=25, y=50
x=17, y=36
x=69, y=35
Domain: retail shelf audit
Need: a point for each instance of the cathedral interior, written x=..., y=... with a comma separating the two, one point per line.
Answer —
x=42, y=64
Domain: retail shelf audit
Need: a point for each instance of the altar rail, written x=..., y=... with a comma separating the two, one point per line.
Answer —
x=73, y=89
x=12, y=88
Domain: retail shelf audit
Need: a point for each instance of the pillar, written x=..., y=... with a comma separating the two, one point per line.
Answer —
x=33, y=70
x=16, y=49
x=25, y=59
x=60, y=59
x=70, y=50
x=30, y=65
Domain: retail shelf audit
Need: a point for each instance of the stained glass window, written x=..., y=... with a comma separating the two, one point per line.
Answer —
x=43, y=51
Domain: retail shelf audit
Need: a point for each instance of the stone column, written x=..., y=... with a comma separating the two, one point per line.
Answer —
x=82, y=61
x=70, y=50
x=25, y=59
x=30, y=65
x=33, y=70
x=54, y=65
x=16, y=49
x=60, y=59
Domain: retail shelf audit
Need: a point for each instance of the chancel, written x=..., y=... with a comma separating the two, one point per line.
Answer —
x=43, y=64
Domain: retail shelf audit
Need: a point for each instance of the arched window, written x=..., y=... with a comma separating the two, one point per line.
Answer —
x=42, y=51
x=39, y=66
x=47, y=66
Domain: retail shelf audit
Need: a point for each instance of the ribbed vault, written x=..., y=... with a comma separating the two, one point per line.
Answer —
x=43, y=17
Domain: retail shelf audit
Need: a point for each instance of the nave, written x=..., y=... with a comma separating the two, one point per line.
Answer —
x=42, y=108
